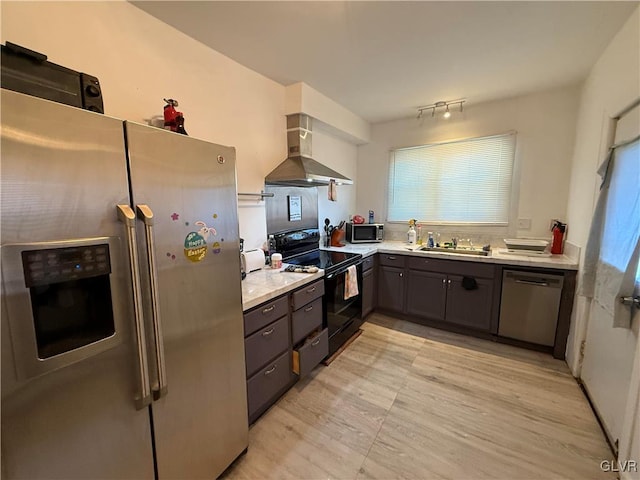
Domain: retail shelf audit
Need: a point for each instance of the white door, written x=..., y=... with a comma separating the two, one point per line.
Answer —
x=609, y=354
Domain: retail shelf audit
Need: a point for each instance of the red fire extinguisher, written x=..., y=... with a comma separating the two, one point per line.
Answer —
x=558, y=230
x=173, y=120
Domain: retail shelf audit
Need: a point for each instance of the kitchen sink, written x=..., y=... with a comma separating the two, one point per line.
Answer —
x=458, y=250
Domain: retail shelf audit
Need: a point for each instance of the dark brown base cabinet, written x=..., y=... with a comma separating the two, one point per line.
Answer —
x=267, y=347
x=391, y=282
x=458, y=295
x=369, y=285
x=284, y=341
x=427, y=294
x=433, y=289
x=470, y=308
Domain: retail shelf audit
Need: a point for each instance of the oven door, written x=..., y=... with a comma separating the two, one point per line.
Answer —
x=340, y=312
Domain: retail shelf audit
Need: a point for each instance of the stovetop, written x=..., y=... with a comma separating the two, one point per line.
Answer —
x=328, y=261
x=301, y=248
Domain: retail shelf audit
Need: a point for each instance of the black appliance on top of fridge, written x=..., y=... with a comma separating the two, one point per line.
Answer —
x=341, y=316
x=122, y=331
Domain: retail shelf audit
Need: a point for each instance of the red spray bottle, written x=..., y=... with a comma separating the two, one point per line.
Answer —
x=558, y=229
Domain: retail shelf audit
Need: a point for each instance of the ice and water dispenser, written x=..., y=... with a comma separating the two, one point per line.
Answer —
x=60, y=302
x=70, y=297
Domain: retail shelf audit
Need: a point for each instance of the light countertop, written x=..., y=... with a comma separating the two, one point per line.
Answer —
x=497, y=255
x=265, y=284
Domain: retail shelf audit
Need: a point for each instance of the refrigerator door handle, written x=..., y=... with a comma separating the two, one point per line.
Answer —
x=146, y=215
x=128, y=217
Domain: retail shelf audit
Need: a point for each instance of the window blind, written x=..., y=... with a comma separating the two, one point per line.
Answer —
x=464, y=181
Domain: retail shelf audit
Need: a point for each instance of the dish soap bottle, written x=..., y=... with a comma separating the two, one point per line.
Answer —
x=430, y=243
x=411, y=234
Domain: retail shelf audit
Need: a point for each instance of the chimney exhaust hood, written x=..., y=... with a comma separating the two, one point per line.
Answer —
x=299, y=169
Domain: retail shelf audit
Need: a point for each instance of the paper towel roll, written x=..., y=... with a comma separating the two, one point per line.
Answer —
x=252, y=260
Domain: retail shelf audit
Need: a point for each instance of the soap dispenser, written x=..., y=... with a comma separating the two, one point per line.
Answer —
x=411, y=234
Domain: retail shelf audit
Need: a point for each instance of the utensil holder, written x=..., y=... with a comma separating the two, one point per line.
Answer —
x=336, y=238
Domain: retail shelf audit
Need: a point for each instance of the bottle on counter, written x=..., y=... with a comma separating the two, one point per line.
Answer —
x=411, y=235
x=430, y=242
x=419, y=235
x=370, y=216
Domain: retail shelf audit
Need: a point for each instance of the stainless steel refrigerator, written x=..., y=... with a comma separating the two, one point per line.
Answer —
x=122, y=332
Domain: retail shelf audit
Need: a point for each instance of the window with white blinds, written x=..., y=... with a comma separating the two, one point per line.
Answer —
x=465, y=181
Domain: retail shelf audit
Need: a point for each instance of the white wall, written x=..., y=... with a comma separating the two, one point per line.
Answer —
x=300, y=97
x=545, y=123
x=342, y=156
x=140, y=60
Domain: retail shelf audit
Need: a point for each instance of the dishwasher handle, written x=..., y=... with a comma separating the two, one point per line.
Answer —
x=530, y=282
x=535, y=279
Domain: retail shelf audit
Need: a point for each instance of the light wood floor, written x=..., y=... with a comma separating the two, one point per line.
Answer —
x=407, y=401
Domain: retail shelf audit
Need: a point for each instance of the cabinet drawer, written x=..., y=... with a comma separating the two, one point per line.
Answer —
x=367, y=263
x=307, y=293
x=264, y=385
x=311, y=353
x=466, y=268
x=392, y=260
x=264, y=315
x=306, y=319
x=265, y=344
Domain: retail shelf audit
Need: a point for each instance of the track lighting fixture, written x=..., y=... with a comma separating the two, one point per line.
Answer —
x=441, y=104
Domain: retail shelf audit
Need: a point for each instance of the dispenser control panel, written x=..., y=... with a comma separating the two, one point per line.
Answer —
x=44, y=267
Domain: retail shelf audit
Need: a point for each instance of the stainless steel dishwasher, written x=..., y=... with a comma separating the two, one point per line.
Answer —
x=529, y=306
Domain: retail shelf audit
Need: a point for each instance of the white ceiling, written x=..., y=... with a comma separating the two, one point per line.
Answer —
x=383, y=59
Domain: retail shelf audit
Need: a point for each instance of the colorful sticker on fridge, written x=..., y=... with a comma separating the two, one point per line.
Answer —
x=216, y=247
x=195, y=247
x=175, y=216
x=206, y=231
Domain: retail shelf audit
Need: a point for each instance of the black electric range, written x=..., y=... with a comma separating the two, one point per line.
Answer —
x=341, y=316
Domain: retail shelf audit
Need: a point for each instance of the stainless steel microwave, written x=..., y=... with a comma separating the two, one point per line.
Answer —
x=364, y=232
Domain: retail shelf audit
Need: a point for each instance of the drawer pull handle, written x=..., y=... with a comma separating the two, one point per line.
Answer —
x=309, y=308
x=391, y=258
x=311, y=290
x=267, y=332
x=400, y=274
x=271, y=370
x=268, y=309
x=313, y=344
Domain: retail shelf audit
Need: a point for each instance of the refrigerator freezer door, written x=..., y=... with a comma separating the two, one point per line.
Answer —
x=188, y=186
x=63, y=172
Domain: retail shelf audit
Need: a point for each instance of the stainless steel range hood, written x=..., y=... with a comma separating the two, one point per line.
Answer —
x=299, y=169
